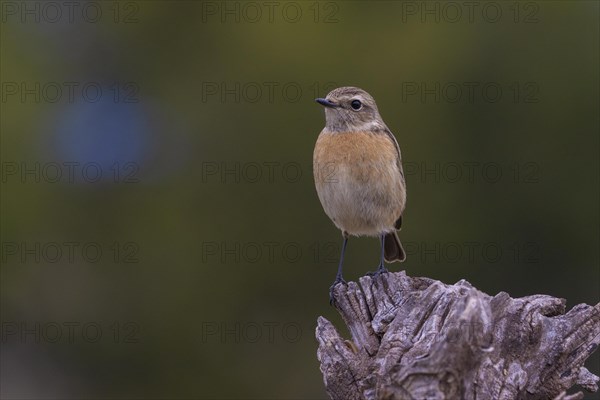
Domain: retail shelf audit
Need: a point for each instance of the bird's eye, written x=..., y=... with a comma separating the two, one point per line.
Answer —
x=356, y=105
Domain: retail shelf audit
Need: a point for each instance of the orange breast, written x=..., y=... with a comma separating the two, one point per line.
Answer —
x=358, y=181
x=355, y=149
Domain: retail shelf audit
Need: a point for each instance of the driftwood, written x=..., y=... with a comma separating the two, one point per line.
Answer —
x=417, y=338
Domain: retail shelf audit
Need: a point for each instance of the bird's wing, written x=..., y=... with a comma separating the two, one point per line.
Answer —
x=391, y=136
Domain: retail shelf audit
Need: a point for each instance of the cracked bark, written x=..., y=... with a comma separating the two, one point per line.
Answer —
x=417, y=338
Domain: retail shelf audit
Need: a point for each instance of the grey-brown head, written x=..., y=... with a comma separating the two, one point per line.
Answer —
x=351, y=109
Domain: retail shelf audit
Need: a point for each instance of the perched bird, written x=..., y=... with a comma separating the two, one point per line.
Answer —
x=358, y=174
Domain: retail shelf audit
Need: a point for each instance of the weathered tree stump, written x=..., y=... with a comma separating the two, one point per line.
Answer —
x=417, y=338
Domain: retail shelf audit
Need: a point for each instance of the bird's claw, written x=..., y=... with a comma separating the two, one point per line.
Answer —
x=337, y=281
x=380, y=271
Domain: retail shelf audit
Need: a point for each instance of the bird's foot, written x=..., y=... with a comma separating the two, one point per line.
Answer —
x=380, y=271
x=337, y=281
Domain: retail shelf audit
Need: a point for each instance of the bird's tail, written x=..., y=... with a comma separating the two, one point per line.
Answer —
x=392, y=248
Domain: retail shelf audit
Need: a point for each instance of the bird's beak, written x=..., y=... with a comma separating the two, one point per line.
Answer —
x=326, y=103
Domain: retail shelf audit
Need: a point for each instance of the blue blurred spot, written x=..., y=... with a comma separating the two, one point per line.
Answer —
x=104, y=132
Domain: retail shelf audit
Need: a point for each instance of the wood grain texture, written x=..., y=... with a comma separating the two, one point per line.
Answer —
x=417, y=338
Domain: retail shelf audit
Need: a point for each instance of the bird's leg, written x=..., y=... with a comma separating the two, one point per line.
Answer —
x=381, y=269
x=338, y=276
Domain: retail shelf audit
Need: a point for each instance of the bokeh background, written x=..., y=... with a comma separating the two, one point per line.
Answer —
x=161, y=235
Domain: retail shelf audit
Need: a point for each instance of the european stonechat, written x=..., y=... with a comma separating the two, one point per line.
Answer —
x=358, y=173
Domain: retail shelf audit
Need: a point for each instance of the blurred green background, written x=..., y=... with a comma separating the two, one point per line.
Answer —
x=215, y=255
